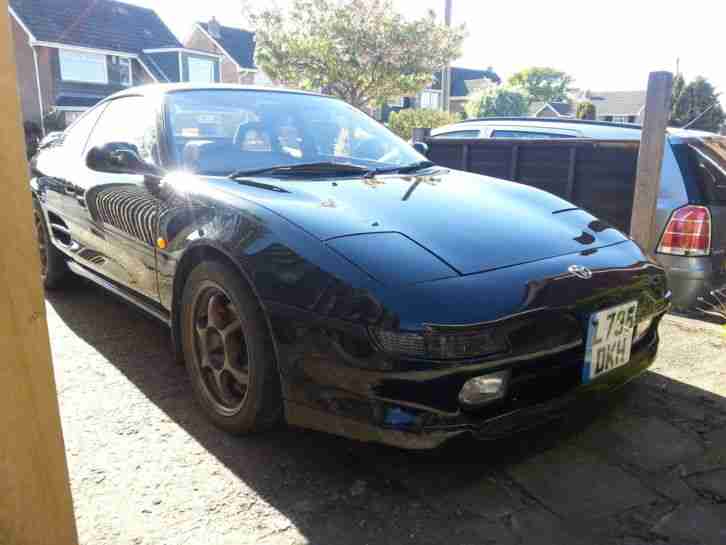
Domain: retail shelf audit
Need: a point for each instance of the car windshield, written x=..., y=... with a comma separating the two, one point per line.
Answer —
x=223, y=131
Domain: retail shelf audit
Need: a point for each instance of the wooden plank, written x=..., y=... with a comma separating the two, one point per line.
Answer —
x=650, y=160
x=570, y=189
x=35, y=498
x=513, y=165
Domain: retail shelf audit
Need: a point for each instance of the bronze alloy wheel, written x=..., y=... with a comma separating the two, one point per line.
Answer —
x=42, y=239
x=220, y=349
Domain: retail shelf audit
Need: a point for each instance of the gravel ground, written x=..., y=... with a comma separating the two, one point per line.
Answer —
x=146, y=468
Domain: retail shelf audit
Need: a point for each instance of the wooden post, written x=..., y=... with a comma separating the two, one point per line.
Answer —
x=446, y=73
x=650, y=160
x=35, y=498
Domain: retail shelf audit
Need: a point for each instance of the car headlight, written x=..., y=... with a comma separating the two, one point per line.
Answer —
x=442, y=345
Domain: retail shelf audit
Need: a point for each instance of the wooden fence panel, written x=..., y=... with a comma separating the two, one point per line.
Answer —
x=490, y=160
x=544, y=167
x=605, y=182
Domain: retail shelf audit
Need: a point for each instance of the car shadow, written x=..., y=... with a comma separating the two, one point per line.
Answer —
x=394, y=481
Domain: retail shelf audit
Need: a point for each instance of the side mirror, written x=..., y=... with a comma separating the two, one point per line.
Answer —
x=50, y=139
x=120, y=158
x=422, y=148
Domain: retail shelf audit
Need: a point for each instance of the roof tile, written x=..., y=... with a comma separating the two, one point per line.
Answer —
x=99, y=24
x=240, y=44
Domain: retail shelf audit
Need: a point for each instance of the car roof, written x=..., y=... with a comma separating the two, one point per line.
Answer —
x=586, y=128
x=167, y=88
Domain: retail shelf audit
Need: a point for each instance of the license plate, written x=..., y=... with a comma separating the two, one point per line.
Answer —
x=609, y=340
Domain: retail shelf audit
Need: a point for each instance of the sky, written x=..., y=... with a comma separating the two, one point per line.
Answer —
x=605, y=46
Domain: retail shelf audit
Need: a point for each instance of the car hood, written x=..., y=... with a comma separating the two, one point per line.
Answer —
x=473, y=223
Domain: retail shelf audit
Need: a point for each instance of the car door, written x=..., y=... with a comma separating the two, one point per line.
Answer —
x=122, y=209
x=57, y=168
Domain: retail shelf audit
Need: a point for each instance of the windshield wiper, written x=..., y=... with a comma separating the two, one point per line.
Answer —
x=405, y=169
x=323, y=167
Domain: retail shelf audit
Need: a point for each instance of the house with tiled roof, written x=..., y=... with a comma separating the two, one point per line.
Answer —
x=614, y=106
x=617, y=106
x=235, y=46
x=72, y=53
x=464, y=82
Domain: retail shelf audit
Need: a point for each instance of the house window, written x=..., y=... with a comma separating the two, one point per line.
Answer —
x=83, y=66
x=431, y=100
x=200, y=70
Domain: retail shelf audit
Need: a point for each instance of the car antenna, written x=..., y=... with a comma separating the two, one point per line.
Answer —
x=699, y=116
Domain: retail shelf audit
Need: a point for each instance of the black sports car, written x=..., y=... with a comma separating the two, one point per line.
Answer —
x=313, y=265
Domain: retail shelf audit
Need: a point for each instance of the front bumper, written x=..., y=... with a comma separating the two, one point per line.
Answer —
x=515, y=415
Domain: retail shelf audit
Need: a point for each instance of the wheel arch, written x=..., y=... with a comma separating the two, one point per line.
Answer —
x=207, y=251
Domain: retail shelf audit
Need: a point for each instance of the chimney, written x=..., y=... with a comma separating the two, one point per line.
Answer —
x=214, y=29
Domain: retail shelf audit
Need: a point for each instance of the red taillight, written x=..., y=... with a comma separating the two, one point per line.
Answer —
x=688, y=232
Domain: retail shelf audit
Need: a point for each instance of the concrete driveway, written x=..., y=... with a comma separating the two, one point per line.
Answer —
x=146, y=467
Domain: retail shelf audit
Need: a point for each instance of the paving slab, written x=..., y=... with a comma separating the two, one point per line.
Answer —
x=712, y=458
x=702, y=524
x=712, y=483
x=483, y=497
x=540, y=527
x=629, y=525
x=574, y=482
x=646, y=442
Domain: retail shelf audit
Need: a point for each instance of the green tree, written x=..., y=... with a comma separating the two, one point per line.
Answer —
x=364, y=51
x=586, y=110
x=679, y=83
x=493, y=100
x=542, y=84
x=404, y=121
x=690, y=100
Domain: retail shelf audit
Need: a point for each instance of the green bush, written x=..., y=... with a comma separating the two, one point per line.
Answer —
x=497, y=101
x=404, y=121
x=586, y=110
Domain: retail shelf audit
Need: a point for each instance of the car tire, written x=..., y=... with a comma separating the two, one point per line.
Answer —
x=225, y=338
x=53, y=267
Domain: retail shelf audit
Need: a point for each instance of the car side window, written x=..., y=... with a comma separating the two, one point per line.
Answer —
x=129, y=120
x=459, y=134
x=76, y=136
x=529, y=134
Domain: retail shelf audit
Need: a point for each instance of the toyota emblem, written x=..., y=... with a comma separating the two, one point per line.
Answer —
x=580, y=272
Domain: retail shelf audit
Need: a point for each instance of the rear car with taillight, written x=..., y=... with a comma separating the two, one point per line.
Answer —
x=692, y=245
